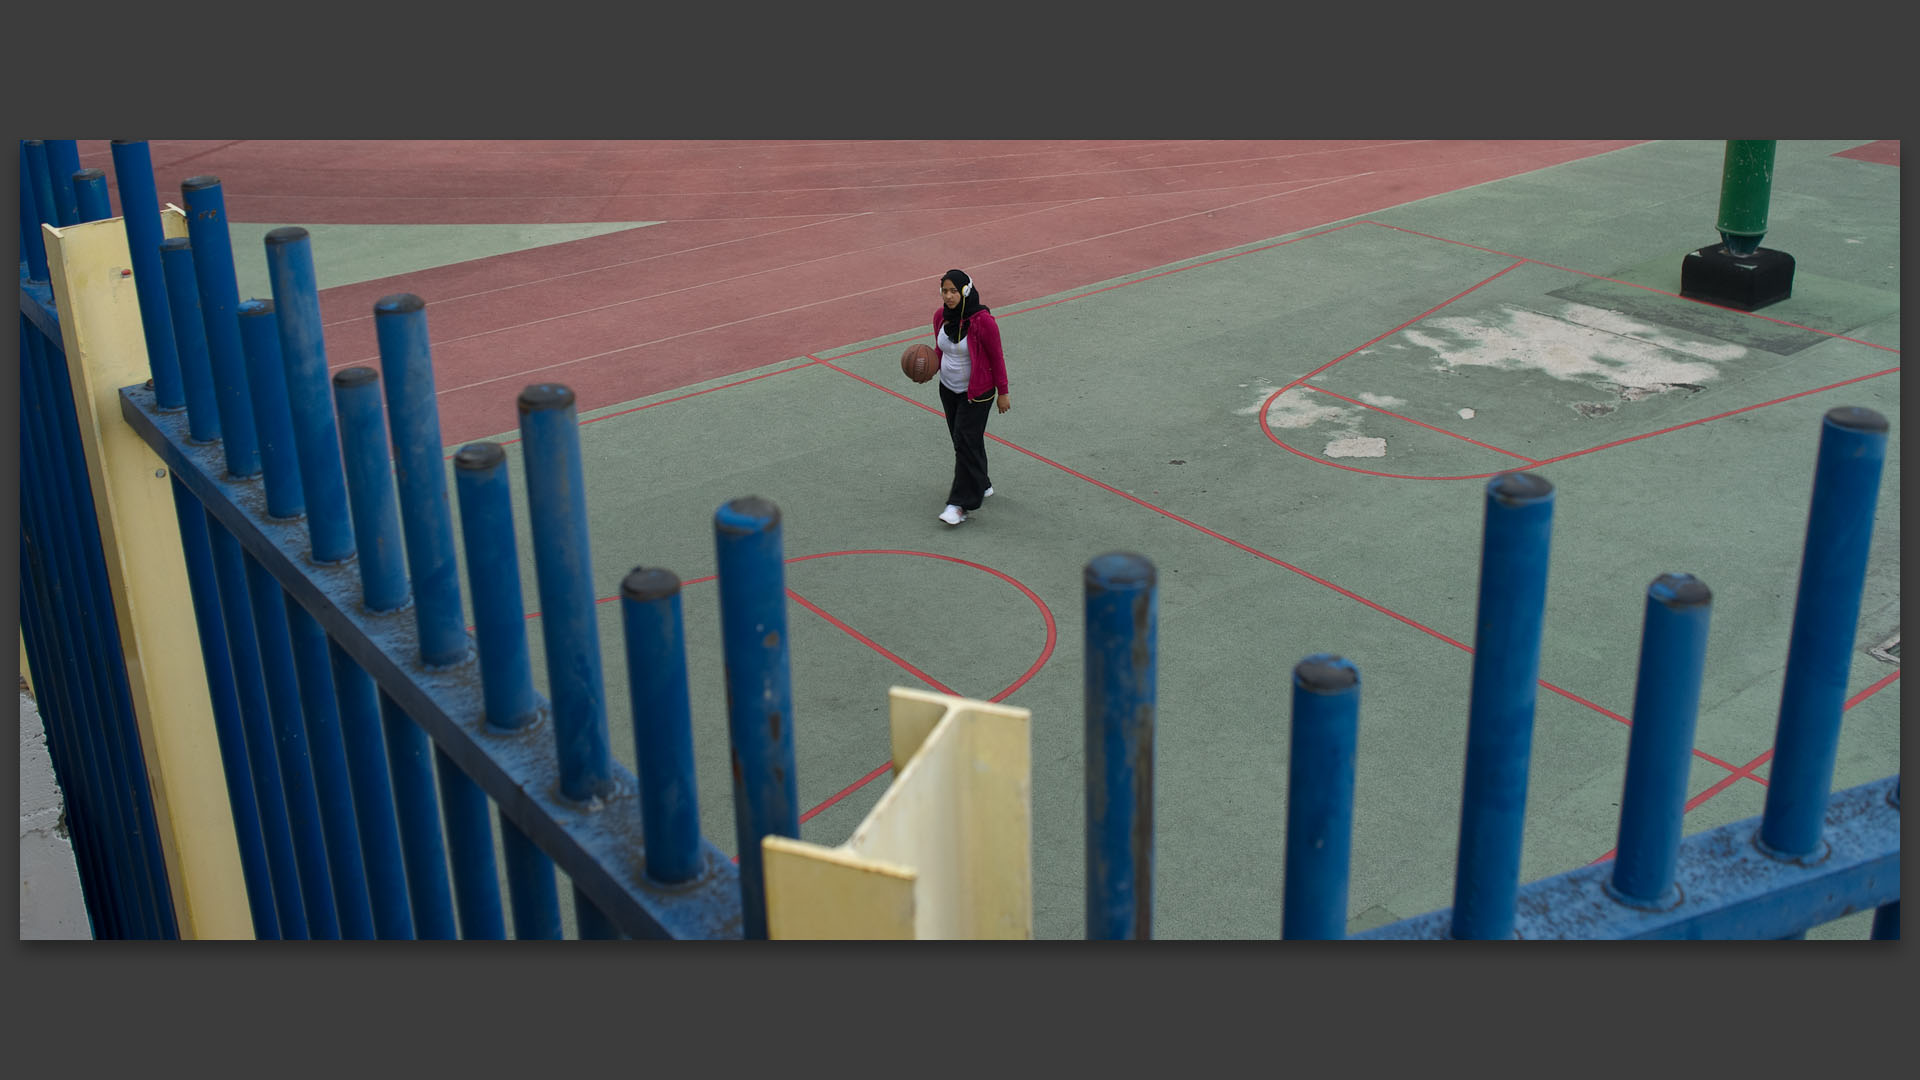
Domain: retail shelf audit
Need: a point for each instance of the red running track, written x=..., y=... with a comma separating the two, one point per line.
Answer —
x=769, y=251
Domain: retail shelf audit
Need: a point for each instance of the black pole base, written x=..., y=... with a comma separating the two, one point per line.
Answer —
x=1746, y=282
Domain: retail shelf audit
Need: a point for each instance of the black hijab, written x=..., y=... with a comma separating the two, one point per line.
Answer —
x=970, y=303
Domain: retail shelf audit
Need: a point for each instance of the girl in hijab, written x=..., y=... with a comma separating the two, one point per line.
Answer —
x=973, y=383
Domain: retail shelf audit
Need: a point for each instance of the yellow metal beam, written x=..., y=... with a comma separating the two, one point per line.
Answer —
x=947, y=851
x=106, y=349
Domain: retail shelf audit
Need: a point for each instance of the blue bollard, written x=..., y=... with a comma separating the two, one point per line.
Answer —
x=753, y=635
x=662, y=723
x=400, y=324
x=256, y=723
x=1666, y=701
x=63, y=160
x=476, y=883
x=290, y=750
x=296, y=306
x=365, y=747
x=493, y=569
x=1506, y=670
x=416, y=806
x=133, y=174
x=190, y=340
x=219, y=311
x=530, y=885
x=333, y=785
x=376, y=523
x=1121, y=685
x=30, y=235
x=557, y=506
x=1320, y=774
x=1826, y=616
x=272, y=420
x=227, y=727
x=90, y=195
x=38, y=174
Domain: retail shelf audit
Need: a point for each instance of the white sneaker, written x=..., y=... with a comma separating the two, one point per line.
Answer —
x=987, y=493
x=953, y=515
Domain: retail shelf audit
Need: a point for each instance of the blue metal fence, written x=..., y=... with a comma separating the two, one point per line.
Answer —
x=66, y=608
x=364, y=734
x=1812, y=857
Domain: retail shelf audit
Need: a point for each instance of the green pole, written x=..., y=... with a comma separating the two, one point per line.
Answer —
x=1746, y=182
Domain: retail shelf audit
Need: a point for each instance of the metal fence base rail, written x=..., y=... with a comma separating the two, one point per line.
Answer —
x=1728, y=887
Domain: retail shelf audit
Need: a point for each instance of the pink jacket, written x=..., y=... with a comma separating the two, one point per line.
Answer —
x=983, y=344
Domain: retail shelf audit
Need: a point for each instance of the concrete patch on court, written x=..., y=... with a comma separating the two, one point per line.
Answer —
x=1624, y=358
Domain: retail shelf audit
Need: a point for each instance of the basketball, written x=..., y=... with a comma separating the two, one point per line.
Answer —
x=920, y=362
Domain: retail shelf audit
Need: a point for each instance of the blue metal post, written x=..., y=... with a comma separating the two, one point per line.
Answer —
x=290, y=750
x=593, y=924
x=476, y=882
x=400, y=325
x=63, y=160
x=269, y=791
x=1826, y=616
x=227, y=727
x=506, y=674
x=1121, y=686
x=1320, y=768
x=557, y=506
x=133, y=174
x=383, y=581
x=1506, y=669
x=414, y=799
x=376, y=523
x=296, y=305
x=333, y=782
x=30, y=238
x=563, y=571
x=662, y=723
x=753, y=635
x=530, y=884
x=493, y=569
x=366, y=752
x=273, y=420
x=44, y=202
x=219, y=303
x=90, y=193
x=1666, y=700
x=190, y=339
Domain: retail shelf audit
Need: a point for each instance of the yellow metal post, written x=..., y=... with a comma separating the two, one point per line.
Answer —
x=946, y=853
x=100, y=327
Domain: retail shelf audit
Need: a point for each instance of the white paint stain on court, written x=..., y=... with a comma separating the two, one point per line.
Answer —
x=1384, y=401
x=1302, y=408
x=1585, y=344
x=1466, y=414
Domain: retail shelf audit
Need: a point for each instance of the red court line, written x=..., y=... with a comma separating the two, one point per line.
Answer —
x=1283, y=564
x=1411, y=420
x=1746, y=770
x=1046, y=650
x=871, y=644
x=1720, y=416
x=1637, y=285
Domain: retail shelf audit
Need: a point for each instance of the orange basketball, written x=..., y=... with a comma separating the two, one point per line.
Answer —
x=920, y=362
